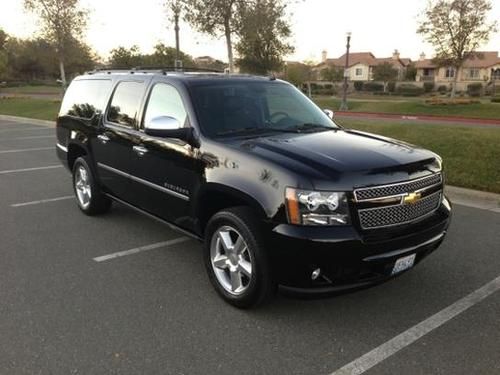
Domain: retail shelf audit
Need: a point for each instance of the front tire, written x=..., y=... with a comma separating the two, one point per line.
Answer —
x=89, y=197
x=236, y=260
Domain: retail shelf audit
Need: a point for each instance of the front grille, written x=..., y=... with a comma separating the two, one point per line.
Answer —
x=371, y=218
x=398, y=188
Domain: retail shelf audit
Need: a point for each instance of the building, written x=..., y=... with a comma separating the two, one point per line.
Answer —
x=482, y=67
x=361, y=64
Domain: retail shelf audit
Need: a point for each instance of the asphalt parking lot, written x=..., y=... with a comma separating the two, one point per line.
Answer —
x=69, y=307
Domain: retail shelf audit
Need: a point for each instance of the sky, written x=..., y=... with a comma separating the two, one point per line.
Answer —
x=377, y=26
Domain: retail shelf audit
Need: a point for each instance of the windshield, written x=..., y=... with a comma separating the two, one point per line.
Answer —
x=237, y=108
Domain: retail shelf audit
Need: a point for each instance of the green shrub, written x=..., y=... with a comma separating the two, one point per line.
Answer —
x=408, y=89
x=358, y=85
x=428, y=86
x=381, y=93
x=442, y=89
x=495, y=99
x=475, y=89
x=373, y=87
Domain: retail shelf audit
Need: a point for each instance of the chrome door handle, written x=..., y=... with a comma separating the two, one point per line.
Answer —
x=139, y=150
x=103, y=138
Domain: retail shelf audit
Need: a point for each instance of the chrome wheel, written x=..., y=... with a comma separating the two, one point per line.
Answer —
x=82, y=187
x=231, y=260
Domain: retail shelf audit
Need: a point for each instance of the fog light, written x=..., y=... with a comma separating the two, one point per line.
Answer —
x=315, y=274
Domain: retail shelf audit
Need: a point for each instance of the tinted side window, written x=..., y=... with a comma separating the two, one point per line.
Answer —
x=165, y=100
x=125, y=104
x=84, y=98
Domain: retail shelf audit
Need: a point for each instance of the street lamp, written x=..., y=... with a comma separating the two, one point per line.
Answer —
x=343, y=105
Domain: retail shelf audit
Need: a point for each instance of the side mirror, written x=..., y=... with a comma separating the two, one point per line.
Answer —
x=167, y=127
x=329, y=113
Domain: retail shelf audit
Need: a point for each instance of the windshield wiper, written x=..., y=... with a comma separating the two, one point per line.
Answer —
x=310, y=127
x=254, y=129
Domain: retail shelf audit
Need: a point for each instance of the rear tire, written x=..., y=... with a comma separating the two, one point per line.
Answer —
x=236, y=259
x=89, y=196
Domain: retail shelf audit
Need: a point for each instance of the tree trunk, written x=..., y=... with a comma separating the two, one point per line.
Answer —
x=454, y=84
x=177, y=43
x=229, y=44
x=63, y=74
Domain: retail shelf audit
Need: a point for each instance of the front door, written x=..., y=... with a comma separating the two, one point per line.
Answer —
x=113, y=147
x=165, y=170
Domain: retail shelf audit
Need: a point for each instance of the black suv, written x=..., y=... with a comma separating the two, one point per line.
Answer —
x=278, y=192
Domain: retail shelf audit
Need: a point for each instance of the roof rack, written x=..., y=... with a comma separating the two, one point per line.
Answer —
x=162, y=69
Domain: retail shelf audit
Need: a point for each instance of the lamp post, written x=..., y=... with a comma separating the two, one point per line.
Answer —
x=343, y=105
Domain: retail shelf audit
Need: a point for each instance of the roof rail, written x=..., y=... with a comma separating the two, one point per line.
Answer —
x=161, y=69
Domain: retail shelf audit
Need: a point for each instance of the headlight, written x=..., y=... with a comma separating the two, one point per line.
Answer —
x=306, y=207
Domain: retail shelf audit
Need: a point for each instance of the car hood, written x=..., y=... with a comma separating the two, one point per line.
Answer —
x=338, y=151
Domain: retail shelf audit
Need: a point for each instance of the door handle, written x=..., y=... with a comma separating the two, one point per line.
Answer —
x=103, y=138
x=139, y=150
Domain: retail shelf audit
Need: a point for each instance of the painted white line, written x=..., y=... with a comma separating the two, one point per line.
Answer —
x=408, y=337
x=42, y=201
x=26, y=150
x=24, y=129
x=30, y=169
x=141, y=249
x=33, y=137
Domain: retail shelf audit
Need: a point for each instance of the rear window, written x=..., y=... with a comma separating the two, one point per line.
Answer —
x=125, y=104
x=85, y=98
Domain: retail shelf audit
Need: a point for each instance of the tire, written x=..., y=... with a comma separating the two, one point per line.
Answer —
x=242, y=275
x=89, y=196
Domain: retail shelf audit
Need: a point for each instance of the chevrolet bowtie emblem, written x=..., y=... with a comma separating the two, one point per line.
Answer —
x=412, y=198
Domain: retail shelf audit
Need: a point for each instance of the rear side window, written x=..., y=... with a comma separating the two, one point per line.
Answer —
x=125, y=104
x=85, y=98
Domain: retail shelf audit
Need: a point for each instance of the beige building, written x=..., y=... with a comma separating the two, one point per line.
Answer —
x=483, y=67
x=361, y=64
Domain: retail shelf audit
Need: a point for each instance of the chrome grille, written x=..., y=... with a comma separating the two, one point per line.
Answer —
x=401, y=188
x=371, y=218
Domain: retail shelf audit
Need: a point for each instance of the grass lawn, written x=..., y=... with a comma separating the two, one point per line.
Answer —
x=34, y=108
x=414, y=107
x=54, y=90
x=471, y=155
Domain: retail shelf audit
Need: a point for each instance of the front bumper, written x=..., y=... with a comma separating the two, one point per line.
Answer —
x=347, y=257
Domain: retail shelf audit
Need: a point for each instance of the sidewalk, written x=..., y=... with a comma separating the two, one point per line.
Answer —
x=427, y=118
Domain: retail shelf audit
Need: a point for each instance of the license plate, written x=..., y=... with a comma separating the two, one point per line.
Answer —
x=403, y=264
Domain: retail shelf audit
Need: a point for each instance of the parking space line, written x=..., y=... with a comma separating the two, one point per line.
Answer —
x=42, y=201
x=30, y=169
x=26, y=150
x=141, y=249
x=408, y=337
x=31, y=137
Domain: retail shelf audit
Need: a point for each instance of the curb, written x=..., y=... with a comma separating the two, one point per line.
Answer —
x=46, y=123
x=474, y=198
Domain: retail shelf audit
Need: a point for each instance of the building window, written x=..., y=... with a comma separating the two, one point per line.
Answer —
x=428, y=72
x=359, y=71
x=449, y=73
x=495, y=74
x=473, y=73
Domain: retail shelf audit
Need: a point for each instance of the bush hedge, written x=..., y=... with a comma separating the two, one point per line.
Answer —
x=408, y=89
x=442, y=89
x=428, y=86
x=373, y=87
x=495, y=100
x=475, y=89
x=358, y=85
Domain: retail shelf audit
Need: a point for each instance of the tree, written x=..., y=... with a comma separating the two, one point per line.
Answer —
x=166, y=56
x=122, y=57
x=456, y=29
x=215, y=17
x=3, y=53
x=410, y=72
x=263, y=37
x=332, y=74
x=62, y=22
x=385, y=72
x=297, y=73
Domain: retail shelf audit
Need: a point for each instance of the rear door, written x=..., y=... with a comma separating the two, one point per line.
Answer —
x=114, y=145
